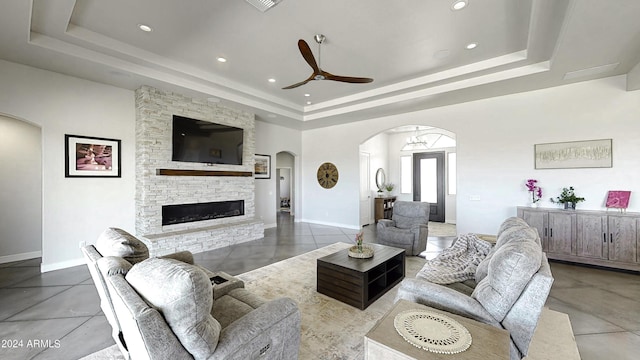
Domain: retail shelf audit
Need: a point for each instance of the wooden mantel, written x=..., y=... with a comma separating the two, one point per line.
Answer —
x=186, y=172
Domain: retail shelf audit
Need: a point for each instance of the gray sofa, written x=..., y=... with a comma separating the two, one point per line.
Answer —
x=167, y=308
x=509, y=290
x=408, y=228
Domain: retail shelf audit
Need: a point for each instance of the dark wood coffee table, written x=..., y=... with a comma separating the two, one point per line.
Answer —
x=360, y=282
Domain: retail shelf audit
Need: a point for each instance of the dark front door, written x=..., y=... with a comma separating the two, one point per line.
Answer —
x=428, y=182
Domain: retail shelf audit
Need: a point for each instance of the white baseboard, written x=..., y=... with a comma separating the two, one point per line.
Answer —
x=269, y=226
x=346, y=226
x=20, y=257
x=61, y=265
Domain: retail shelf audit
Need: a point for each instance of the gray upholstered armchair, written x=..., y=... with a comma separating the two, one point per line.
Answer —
x=408, y=228
x=510, y=288
x=114, y=242
x=168, y=308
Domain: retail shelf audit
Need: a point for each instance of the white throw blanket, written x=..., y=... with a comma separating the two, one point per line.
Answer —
x=457, y=263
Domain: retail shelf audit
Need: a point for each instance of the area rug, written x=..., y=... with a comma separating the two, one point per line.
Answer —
x=442, y=229
x=330, y=329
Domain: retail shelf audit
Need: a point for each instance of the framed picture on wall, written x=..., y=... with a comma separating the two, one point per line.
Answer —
x=574, y=154
x=87, y=156
x=262, y=166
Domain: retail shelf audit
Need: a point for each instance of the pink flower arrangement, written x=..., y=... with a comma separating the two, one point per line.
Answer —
x=535, y=190
x=359, y=238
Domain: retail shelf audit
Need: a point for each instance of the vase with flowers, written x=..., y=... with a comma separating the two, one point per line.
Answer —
x=535, y=190
x=568, y=197
x=360, y=251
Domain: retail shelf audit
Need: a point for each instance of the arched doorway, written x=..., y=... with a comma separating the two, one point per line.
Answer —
x=21, y=195
x=285, y=183
x=395, y=150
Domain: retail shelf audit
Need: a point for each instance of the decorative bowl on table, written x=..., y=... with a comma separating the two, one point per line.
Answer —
x=360, y=252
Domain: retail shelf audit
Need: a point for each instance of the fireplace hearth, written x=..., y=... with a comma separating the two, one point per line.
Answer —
x=184, y=213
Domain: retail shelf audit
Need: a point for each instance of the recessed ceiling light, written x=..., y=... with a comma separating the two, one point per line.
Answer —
x=272, y=80
x=308, y=102
x=471, y=46
x=459, y=5
x=221, y=59
x=145, y=28
x=307, y=95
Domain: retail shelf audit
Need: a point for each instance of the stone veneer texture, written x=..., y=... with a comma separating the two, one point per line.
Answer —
x=154, y=116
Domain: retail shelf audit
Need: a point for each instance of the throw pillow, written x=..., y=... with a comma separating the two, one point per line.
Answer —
x=184, y=295
x=117, y=242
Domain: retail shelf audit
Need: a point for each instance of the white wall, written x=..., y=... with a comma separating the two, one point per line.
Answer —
x=495, y=139
x=378, y=149
x=20, y=190
x=73, y=209
x=340, y=145
x=270, y=140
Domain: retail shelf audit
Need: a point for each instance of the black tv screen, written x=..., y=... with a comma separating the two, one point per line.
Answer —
x=206, y=142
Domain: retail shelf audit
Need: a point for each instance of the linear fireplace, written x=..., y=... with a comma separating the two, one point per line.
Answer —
x=184, y=213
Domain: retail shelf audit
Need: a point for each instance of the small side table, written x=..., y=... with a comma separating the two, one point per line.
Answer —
x=223, y=283
x=384, y=343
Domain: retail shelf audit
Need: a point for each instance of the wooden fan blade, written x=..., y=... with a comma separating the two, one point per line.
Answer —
x=305, y=50
x=347, y=79
x=299, y=84
x=295, y=85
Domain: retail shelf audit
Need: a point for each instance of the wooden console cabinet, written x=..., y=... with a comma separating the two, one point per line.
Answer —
x=600, y=238
x=384, y=207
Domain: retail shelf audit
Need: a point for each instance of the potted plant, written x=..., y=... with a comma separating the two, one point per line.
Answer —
x=568, y=198
x=389, y=187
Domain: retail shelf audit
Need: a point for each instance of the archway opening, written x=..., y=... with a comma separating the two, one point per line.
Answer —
x=285, y=184
x=21, y=198
x=399, y=152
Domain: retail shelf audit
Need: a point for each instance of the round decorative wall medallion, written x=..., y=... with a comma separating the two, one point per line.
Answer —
x=327, y=175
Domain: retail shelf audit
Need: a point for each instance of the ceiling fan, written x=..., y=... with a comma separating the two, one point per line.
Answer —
x=319, y=74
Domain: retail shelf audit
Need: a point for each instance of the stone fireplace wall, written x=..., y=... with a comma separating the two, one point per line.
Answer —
x=154, y=115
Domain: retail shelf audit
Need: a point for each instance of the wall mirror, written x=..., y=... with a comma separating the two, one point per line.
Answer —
x=380, y=179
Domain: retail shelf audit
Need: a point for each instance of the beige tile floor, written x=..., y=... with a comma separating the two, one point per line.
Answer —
x=56, y=315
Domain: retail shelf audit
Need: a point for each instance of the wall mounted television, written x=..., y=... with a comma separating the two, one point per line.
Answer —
x=206, y=142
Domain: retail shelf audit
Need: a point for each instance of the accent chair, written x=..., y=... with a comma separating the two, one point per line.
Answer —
x=408, y=228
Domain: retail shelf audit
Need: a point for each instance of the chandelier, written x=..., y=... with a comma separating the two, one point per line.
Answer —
x=416, y=142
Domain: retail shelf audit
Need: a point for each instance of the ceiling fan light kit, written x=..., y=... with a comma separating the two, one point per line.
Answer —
x=318, y=73
x=263, y=5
